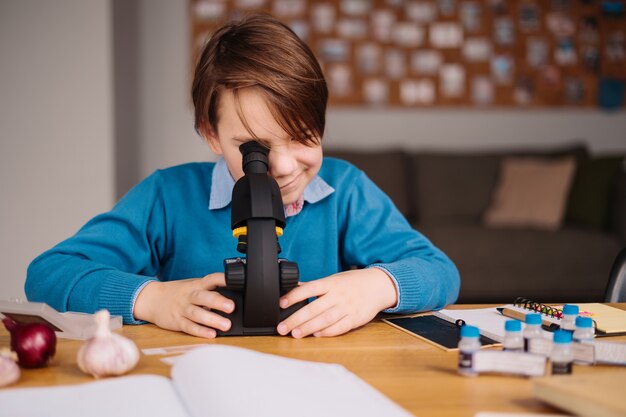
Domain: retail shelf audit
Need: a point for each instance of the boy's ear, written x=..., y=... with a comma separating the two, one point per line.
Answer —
x=211, y=139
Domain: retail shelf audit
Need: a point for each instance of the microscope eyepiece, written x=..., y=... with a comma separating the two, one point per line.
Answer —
x=254, y=158
x=257, y=281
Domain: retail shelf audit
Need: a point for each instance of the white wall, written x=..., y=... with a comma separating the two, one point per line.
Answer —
x=166, y=113
x=56, y=140
x=167, y=125
x=470, y=130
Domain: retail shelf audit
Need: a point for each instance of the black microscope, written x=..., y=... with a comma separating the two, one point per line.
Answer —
x=256, y=282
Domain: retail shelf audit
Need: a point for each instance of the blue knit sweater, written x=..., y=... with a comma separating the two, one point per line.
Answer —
x=163, y=229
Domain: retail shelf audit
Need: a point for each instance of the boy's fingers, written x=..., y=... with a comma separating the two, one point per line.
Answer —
x=212, y=281
x=303, y=315
x=207, y=318
x=212, y=300
x=303, y=292
x=195, y=329
x=342, y=326
x=320, y=322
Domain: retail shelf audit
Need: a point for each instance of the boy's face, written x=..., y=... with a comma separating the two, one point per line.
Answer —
x=292, y=164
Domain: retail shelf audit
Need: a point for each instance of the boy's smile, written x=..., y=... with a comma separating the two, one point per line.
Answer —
x=292, y=163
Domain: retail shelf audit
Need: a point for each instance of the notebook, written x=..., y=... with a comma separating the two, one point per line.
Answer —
x=609, y=321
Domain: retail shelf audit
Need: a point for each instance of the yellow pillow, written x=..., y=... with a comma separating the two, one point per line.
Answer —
x=531, y=192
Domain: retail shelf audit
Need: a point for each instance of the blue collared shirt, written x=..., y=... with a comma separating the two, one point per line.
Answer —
x=223, y=183
x=163, y=230
x=316, y=190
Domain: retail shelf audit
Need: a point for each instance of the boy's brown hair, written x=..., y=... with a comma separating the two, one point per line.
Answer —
x=261, y=52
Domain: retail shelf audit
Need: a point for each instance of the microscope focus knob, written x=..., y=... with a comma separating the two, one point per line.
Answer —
x=289, y=275
x=235, y=273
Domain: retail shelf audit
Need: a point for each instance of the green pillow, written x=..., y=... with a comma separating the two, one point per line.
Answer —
x=590, y=194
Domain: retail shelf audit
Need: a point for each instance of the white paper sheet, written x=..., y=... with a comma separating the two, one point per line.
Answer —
x=229, y=381
x=130, y=396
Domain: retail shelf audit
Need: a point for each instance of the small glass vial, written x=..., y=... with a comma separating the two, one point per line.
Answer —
x=562, y=354
x=469, y=343
x=513, y=340
x=584, y=332
x=532, y=329
x=568, y=321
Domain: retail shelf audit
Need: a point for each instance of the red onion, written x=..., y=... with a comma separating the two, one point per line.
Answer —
x=34, y=343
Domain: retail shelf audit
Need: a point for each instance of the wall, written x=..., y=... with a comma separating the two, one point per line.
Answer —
x=56, y=138
x=167, y=125
x=166, y=120
x=469, y=130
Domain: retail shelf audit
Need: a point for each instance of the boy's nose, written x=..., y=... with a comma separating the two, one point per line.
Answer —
x=282, y=162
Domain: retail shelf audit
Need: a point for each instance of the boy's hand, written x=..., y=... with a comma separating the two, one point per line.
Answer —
x=345, y=300
x=184, y=305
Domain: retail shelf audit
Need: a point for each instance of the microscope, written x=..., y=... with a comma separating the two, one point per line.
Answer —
x=257, y=281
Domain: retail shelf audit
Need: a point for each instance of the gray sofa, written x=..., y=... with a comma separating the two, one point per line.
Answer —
x=444, y=196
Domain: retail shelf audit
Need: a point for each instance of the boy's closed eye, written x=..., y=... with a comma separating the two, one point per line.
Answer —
x=262, y=142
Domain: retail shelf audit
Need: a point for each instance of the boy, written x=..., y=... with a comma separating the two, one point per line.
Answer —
x=157, y=255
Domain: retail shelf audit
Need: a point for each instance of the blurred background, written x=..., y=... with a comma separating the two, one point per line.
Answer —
x=94, y=94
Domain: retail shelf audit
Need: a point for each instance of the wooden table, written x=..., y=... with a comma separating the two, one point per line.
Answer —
x=416, y=375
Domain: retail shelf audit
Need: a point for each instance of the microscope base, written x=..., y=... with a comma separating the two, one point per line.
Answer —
x=236, y=317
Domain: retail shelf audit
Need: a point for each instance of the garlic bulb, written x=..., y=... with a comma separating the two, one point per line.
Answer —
x=9, y=371
x=107, y=353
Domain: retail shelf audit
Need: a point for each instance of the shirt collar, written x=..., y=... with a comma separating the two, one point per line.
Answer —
x=223, y=183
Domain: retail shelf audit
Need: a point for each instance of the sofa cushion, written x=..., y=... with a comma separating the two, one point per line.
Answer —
x=389, y=170
x=591, y=191
x=498, y=265
x=531, y=192
x=456, y=188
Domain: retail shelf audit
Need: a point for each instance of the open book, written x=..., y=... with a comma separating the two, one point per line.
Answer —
x=214, y=380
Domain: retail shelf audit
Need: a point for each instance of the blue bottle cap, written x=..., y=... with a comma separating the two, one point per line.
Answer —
x=570, y=309
x=513, y=326
x=470, y=331
x=585, y=322
x=561, y=336
x=533, y=318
